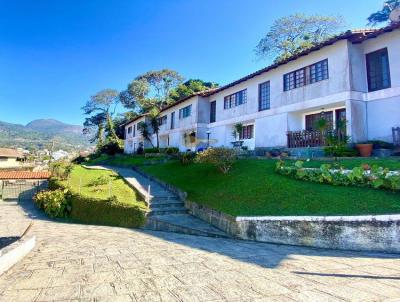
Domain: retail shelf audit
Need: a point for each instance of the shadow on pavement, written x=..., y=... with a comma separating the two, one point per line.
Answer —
x=270, y=255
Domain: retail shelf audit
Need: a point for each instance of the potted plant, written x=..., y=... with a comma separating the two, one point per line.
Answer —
x=365, y=149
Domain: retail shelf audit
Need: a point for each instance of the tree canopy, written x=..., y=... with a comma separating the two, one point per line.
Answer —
x=100, y=108
x=292, y=34
x=190, y=87
x=383, y=14
x=150, y=89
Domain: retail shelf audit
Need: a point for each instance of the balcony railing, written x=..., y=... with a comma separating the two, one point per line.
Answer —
x=305, y=138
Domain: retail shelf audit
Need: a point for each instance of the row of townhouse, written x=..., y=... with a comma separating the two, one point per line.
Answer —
x=353, y=77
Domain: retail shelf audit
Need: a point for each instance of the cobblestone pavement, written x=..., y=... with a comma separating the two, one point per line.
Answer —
x=73, y=262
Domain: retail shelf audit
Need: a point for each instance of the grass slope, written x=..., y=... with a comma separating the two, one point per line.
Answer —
x=253, y=188
x=123, y=160
x=119, y=188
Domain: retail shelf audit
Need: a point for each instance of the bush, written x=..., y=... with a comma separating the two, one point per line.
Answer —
x=140, y=150
x=79, y=159
x=338, y=146
x=377, y=144
x=222, y=158
x=363, y=176
x=54, y=203
x=171, y=150
x=61, y=169
x=186, y=158
x=112, y=147
x=151, y=150
x=340, y=151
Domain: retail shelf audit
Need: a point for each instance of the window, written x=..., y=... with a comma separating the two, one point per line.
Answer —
x=263, y=96
x=307, y=75
x=378, y=73
x=235, y=99
x=319, y=71
x=173, y=120
x=312, y=120
x=185, y=112
x=129, y=130
x=162, y=120
x=247, y=132
x=213, y=111
x=134, y=130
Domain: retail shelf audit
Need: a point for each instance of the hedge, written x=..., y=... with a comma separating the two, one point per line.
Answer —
x=105, y=212
x=102, y=211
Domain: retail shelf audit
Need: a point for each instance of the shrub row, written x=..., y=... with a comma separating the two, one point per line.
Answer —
x=105, y=212
x=363, y=176
x=89, y=210
x=168, y=150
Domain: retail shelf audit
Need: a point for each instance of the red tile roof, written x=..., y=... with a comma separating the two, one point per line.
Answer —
x=24, y=175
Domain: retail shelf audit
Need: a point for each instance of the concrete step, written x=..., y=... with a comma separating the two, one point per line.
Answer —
x=164, y=205
x=183, y=223
x=168, y=210
x=164, y=197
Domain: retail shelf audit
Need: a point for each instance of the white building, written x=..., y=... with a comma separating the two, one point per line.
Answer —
x=354, y=77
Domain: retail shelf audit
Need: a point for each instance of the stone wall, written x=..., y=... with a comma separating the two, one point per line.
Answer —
x=370, y=233
x=365, y=233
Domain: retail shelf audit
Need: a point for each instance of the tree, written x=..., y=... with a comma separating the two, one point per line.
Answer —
x=120, y=120
x=190, y=87
x=150, y=90
x=144, y=131
x=95, y=123
x=100, y=109
x=154, y=114
x=383, y=14
x=295, y=33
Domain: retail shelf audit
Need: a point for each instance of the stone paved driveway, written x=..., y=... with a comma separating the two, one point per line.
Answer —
x=74, y=262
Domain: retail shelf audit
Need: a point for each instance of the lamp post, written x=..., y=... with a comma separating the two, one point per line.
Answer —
x=208, y=138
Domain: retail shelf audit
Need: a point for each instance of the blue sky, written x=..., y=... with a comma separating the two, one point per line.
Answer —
x=55, y=54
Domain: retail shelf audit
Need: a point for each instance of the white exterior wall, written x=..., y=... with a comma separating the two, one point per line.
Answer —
x=370, y=115
x=383, y=106
x=271, y=125
x=175, y=136
x=9, y=162
x=131, y=143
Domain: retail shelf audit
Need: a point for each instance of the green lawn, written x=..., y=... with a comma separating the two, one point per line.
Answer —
x=124, y=160
x=82, y=177
x=253, y=188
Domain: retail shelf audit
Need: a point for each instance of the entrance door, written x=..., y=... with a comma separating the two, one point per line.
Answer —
x=340, y=117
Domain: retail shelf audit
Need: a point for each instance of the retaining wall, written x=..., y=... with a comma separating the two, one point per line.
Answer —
x=364, y=233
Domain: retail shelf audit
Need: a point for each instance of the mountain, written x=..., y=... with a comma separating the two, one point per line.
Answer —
x=42, y=133
x=53, y=126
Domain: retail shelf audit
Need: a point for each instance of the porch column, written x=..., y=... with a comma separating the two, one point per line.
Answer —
x=356, y=115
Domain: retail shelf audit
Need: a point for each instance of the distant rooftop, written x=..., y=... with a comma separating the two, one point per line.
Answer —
x=24, y=175
x=7, y=152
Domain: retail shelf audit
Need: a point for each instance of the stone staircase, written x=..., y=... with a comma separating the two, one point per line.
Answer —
x=167, y=211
